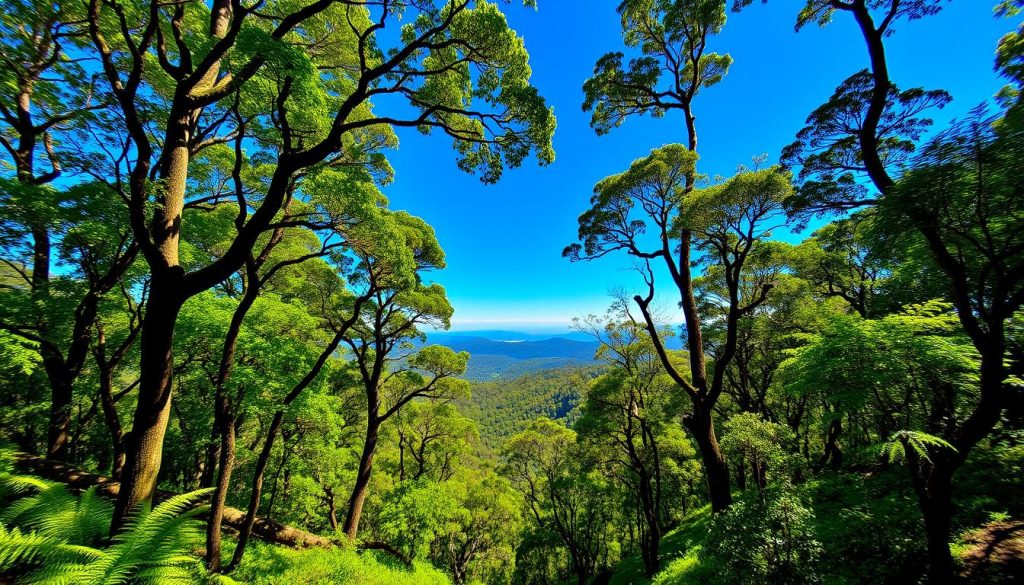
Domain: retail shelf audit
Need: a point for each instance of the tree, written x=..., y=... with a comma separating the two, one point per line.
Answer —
x=563, y=499
x=840, y=260
x=627, y=413
x=868, y=127
x=479, y=541
x=287, y=83
x=964, y=195
x=391, y=373
x=725, y=224
x=432, y=438
x=674, y=65
x=46, y=96
x=888, y=122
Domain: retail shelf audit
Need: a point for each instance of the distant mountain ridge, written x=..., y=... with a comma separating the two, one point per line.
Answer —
x=507, y=354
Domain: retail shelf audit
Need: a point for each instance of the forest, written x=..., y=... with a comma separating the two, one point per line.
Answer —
x=218, y=360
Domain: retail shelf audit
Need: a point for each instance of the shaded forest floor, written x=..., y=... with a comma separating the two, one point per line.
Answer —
x=870, y=531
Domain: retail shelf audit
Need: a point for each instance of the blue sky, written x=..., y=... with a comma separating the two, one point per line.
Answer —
x=504, y=241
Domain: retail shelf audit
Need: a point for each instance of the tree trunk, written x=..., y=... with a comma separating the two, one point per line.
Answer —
x=332, y=508
x=220, y=494
x=701, y=426
x=144, y=449
x=933, y=483
x=832, y=452
x=257, y=490
x=652, y=532
x=359, y=491
x=110, y=415
x=59, y=432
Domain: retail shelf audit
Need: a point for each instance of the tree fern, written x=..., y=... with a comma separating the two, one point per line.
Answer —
x=895, y=449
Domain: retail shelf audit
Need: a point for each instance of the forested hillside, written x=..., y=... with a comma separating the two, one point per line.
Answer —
x=225, y=353
x=504, y=407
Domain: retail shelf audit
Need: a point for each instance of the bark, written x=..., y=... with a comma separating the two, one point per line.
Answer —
x=933, y=485
x=832, y=451
x=224, y=418
x=263, y=528
x=868, y=134
x=378, y=545
x=652, y=532
x=332, y=508
x=257, y=490
x=361, y=487
x=110, y=416
x=217, y=505
x=701, y=426
x=144, y=448
x=61, y=395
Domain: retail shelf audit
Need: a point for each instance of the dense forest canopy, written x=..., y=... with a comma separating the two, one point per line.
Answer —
x=220, y=357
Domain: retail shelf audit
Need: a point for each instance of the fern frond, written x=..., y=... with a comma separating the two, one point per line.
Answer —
x=922, y=444
x=19, y=485
x=17, y=548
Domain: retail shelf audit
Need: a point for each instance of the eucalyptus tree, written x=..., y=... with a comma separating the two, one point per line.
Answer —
x=390, y=369
x=292, y=85
x=564, y=498
x=46, y=95
x=959, y=196
x=725, y=223
x=840, y=260
x=673, y=66
x=869, y=127
x=343, y=202
x=433, y=440
x=965, y=197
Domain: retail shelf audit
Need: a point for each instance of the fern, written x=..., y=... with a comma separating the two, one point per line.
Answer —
x=895, y=449
x=57, y=531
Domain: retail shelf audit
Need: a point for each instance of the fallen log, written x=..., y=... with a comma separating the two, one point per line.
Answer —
x=263, y=528
x=383, y=546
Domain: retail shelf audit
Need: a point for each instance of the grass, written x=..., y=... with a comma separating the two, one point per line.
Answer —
x=679, y=549
x=272, y=565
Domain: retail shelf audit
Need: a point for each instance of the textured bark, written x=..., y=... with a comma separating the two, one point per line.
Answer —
x=144, y=448
x=219, y=498
x=701, y=427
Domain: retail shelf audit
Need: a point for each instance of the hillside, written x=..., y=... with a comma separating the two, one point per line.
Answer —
x=504, y=407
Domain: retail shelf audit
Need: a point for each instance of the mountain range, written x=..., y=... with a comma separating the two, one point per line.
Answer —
x=497, y=354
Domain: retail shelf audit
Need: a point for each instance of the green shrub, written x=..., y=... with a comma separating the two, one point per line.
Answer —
x=274, y=565
x=764, y=537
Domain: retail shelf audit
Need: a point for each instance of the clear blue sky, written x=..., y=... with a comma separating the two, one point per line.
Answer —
x=504, y=241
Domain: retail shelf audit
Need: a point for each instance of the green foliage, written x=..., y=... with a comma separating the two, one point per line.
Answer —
x=273, y=565
x=52, y=536
x=503, y=408
x=827, y=150
x=767, y=537
x=413, y=512
x=920, y=444
x=673, y=65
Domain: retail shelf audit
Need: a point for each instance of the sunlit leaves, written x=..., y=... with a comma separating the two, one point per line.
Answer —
x=673, y=65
